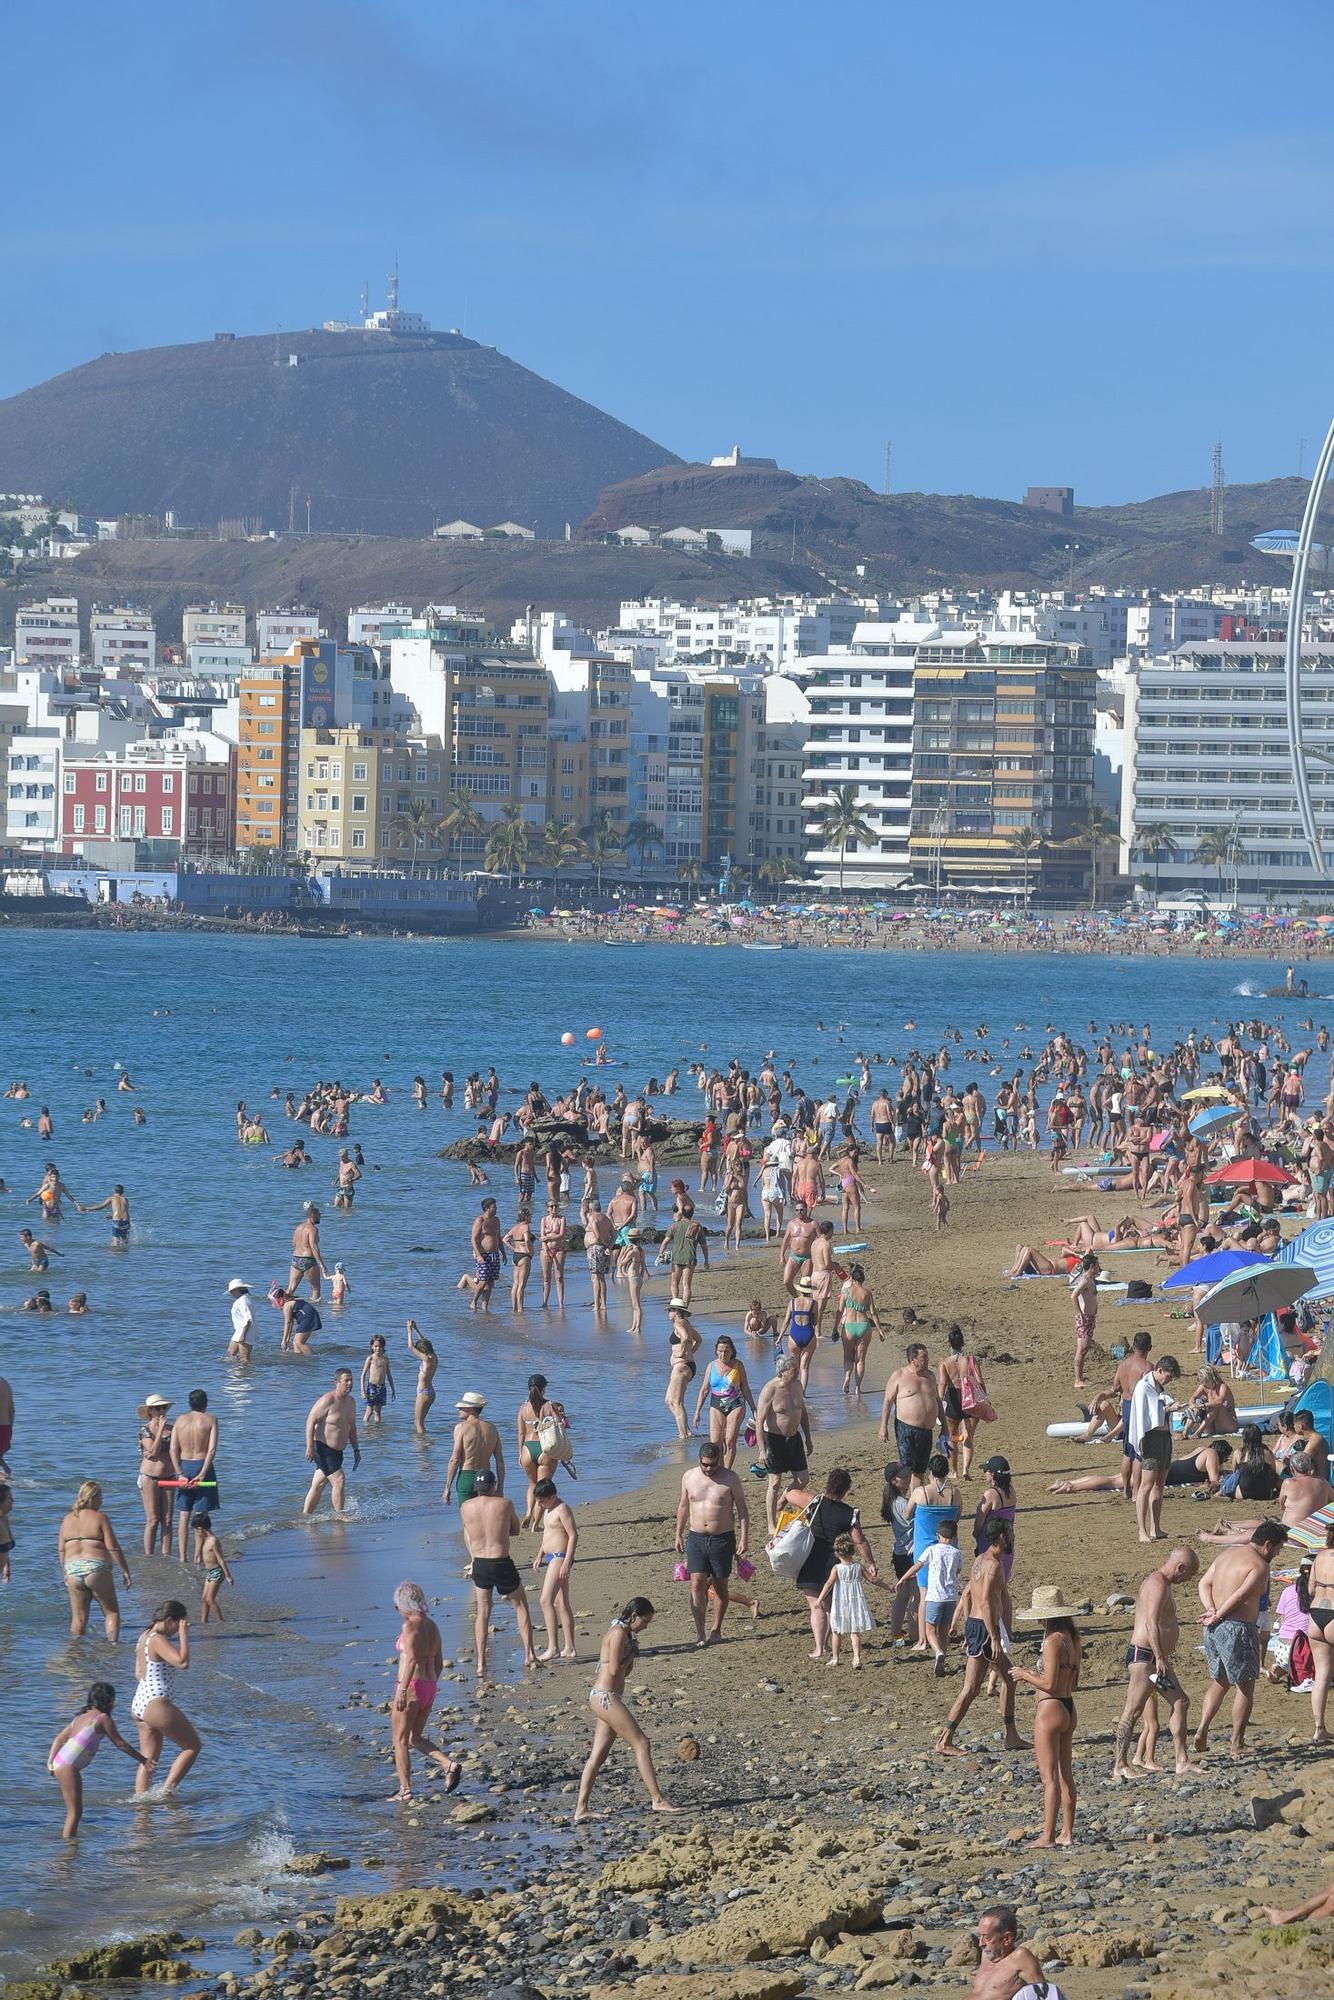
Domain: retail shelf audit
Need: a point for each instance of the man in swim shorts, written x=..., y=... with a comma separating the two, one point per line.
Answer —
x=476, y=1449
x=308, y=1264
x=712, y=1529
x=1231, y=1591
x=488, y=1520
x=488, y=1254
x=598, y=1233
x=913, y=1400
x=194, y=1450
x=331, y=1426
x=783, y=1424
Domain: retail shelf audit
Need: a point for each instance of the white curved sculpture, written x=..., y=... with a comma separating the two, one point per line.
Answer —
x=1293, y=658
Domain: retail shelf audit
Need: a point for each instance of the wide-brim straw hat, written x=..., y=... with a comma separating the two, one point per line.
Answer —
x=471, y=1401
x=805, y=1285
x=1049, y=1601
x=154, y=1405
x=677, y=1306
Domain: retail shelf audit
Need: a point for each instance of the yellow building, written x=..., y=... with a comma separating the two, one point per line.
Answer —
x=371, y=796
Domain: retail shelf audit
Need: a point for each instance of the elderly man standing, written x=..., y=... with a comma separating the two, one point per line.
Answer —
x=712, y=1528
x=331, y=1426
x=1150, y=1656
x=1230, y=1591
x=913, y=1400
x=783, y=1425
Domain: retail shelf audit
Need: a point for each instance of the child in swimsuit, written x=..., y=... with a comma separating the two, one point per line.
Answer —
x=208, y=1552
x=74, y=1749
x=377, y=1381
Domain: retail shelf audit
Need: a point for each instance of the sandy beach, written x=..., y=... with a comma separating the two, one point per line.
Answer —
x=823, y=1847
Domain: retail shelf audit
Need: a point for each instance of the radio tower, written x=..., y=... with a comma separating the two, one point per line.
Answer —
x=889, y=466
x=1216, y=494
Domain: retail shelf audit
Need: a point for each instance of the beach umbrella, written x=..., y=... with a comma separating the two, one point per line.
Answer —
x=1314, y=1246
x=1203, y=1091
x=537, y=913
x=1249, y=1173
x=1258, y=1289
x=1216, y=1115
x=1216, y=1264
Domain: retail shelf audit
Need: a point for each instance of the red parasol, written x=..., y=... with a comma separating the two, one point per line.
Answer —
x=1249, y=1173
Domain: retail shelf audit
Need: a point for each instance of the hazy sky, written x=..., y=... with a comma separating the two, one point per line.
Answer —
x=1042, y=243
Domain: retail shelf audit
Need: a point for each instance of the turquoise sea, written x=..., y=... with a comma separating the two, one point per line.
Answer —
x=200, y=1021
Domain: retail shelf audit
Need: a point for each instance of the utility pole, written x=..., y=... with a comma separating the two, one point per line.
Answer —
x=1072, y=550
x=308, y=507
x=291, y=509
x=1216, y=493
x=889, y=465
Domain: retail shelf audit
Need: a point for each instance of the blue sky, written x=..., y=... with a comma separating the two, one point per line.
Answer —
x=1039, y=243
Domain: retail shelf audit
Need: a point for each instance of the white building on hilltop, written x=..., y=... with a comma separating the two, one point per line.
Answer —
x=772, y=633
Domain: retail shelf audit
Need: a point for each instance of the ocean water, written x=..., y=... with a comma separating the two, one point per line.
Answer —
x=202, y=1021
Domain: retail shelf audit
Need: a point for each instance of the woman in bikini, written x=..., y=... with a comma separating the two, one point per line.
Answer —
x=611, y=1717
x=1054, y=1723
x=1320, y=1631
x=159, y=1502
x=427, y=1363
x=728, y=1391
x=420, y=1664
x=857, y=1321
x=518, y=1240
x=551, y=1249
x=87, y=1548
x=684, y=1343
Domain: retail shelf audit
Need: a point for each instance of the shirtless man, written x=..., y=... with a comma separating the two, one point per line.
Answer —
x=194, y=1448
x=1230, y=1591
x=39, y=1254
x=822, y=1271
x=475, y=1450
x=913, y=1399
x=988, y=1617
x=489, y=1520
x=307, y=1260
x=1302, y=1493
x=345, y=1181
x=1084, y=1299
x=1006, y=1967
x=598, y=1234
x=783, y=1424
x=488, y=1253
x=623, y=1212
x=555, y=1558
x=118, y=1203
x=712, y=1527
x=1149, y=1656
x=331, y=1427
x=795, y=1248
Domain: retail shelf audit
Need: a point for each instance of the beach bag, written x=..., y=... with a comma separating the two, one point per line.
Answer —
x=680, y=1574
x=553, y=1437
x=745, y=1568
x=984, y=1411
x=970, y=1388
x=1137, y=1291
x=788, y=1549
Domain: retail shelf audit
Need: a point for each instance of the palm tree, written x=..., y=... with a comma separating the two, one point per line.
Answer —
x=1026, y=842
x=1218, y=846
x=560, y=846
x=507, y=847
x=843, y=826
x=1155, y=843
x=602, y=844
x=643, y=835
x=690, y=871
x=415, y=822
x=1097, y=832
x=775, y=868
x=462, y=819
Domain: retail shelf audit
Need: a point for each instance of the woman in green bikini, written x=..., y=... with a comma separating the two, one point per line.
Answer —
x=857, y=1321
x=87, y=1548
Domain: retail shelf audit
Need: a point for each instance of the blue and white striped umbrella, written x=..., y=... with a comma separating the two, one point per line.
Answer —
x=1315, y=1247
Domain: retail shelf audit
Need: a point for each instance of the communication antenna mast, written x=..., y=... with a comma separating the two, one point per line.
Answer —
x=393, y=288
x=1216, y=494
x=365, y=299
x=889, y=465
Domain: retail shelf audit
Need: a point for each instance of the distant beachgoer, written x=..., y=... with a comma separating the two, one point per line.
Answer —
x=212, y=1560
x=194, y=1450
x=119, y=1205
x=555, y=1559
x=331, y=1426
x=489, y=1521
x=377, y=1381
x=427, y=1363
x=308, y=1265
x=475, y=1450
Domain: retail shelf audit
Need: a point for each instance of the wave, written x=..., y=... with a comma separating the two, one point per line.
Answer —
x=1249, y=990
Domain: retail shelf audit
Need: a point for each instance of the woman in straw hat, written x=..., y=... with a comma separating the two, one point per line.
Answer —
x=154, y=1465
x=1054, y=1717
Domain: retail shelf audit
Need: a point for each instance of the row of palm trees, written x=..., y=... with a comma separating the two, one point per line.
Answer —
x=514, y=845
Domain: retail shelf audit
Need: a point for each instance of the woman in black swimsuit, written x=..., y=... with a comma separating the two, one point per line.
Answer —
x=1054, y=1719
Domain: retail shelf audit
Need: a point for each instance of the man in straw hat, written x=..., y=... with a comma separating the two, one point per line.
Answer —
x=477, y=1448
x=243, y=1320
x=988, y=1615
x=1149, y=1656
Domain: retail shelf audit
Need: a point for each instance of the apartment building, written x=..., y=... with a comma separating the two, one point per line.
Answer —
x=567, y=777
x=698, y=764
x=123, y=642
x=591, y=696
x=1003, y=726
x=861, y=734
x=47, y=634
x=166, y=791
x=317, y=685
x=772, y=631
x=279, y=631
x=1206, y=753
x=371, y=624
x=213, y=624
x=361, y=791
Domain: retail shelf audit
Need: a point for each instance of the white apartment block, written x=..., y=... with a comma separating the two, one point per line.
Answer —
x=1161, y=627
x=861, y=733
x=32, y=803
x=47, y=634
x=214, y=625
x=279, y=631
x=591, y=694
x=122, y=642
x=1207, y=749
x=758, y=631
x=217, y=660
x=371, y=624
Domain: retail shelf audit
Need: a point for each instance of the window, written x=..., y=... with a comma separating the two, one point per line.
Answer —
x=101, y=781
x=168, y=816
x=359, y=773
x=336, y=768
x=567, y=794
x=70, y=782
x=192, y=821
x=335, y=802
x=126, y=816
x=168, y=782
x=78, y=819
x=421, y=774
x=141, y=819
x=358, y=836
x=268, y=701
x=358, y=802
x=100, y=819
x=140, y=781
